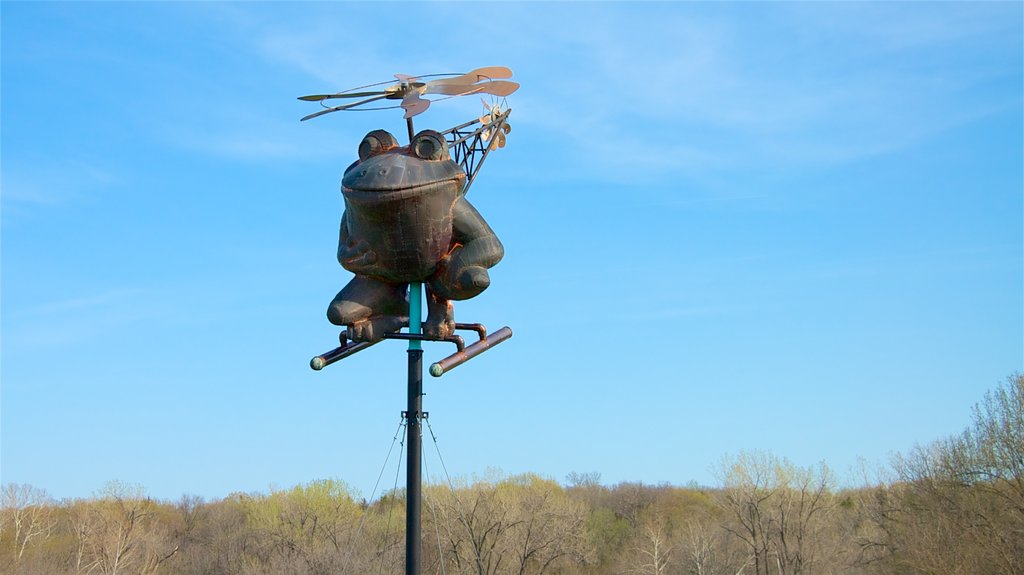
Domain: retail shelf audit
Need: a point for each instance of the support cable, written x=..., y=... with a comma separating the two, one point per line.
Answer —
x=362, y=520
x=433, y=515
x=391, y=509
x=458, y=504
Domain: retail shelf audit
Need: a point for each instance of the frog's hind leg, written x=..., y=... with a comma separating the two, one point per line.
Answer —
x=440, y=316
x=370, y=308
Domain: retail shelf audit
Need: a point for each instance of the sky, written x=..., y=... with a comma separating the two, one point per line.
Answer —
x=788, y=227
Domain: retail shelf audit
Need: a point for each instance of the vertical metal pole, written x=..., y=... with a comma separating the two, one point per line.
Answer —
x=414, y=496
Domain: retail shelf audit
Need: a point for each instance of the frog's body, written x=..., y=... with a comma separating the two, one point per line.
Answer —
x=406, y=220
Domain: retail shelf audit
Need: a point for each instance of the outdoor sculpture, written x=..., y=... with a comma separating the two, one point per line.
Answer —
x=407, y=220
x=407, y=223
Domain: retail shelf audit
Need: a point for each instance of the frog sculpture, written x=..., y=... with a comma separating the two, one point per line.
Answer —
x=407, y=220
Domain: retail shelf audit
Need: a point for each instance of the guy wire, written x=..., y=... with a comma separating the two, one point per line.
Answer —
x=362, y=520
x=458, y=504
x=391, y=508
x=433, y=515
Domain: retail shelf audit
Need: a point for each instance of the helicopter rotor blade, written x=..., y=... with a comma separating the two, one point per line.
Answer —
x=409, y=90
x=344, y=107
x=350, y=91
x=493, y=87
x=414, y=105
x=497, y=87
x=449, y=89
x=474, y=76
x=461, y=84
x=471, y=77
x=394, y=91
x=322, y=97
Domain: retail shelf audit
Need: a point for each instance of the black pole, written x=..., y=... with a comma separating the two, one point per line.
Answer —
x=412, y=478
x=414, y=421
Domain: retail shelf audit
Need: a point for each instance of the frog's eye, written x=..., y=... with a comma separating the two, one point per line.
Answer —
x=376, y=142
x=430, y=145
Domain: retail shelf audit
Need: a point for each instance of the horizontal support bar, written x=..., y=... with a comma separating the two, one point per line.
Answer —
x=485, y=342
x=321, y=361
x=460, y=357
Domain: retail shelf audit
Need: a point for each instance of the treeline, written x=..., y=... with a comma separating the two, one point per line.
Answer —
x=953, y=507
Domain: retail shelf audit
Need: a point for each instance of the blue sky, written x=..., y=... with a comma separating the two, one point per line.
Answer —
x=794, y=227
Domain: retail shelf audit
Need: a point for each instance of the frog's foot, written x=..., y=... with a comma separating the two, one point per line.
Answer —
x=440, y=317
x=374, y=328
x=364, y=298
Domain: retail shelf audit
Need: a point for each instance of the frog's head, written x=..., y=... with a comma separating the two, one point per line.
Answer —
x=386, y=168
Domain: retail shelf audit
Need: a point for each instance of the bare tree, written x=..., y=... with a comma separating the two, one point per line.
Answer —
x=653, y=552
x=120, y=532
x=520, y=525
x=707, y=551
x=28, y=514
x=778, y=510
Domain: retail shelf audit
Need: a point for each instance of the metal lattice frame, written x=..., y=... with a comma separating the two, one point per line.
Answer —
x=466, y=143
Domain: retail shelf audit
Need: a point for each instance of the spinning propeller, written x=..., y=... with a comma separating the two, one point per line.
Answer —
x=411, y=89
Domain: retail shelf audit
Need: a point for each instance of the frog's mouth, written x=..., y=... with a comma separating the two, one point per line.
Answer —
x=398, y=192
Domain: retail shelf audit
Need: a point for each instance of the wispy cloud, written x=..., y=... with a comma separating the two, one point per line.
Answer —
x=959, y=261
x=328, y=44
x=251, y=136
x=52, y=182
x=84, y=303
x=704, y=95
x=81, y=318
x=639, y=93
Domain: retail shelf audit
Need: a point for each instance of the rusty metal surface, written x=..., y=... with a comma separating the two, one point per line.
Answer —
x=458, y=358
x=321, y=361
x=467, y=144
x=406, y=220
x=479, y=328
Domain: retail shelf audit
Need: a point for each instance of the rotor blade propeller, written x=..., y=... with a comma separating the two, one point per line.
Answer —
x=321, y=97
x=345, y=107
x=394, y=91
x=414, y=105
x=409, y=89
x=494, y=87
x=474, y=76
x=443, y=87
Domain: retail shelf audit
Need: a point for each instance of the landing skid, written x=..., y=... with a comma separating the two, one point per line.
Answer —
x=462, y=354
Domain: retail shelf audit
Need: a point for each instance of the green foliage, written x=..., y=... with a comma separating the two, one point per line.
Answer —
x=607, y=534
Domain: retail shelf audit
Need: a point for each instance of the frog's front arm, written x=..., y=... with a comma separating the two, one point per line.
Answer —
x=463, y=273
x=354, y=254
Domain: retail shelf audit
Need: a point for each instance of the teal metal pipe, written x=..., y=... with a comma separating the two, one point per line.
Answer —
x=415, y=313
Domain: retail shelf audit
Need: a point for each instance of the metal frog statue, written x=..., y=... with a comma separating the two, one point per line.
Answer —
x=407, y=221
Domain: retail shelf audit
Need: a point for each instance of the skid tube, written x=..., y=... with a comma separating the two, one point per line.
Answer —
x=462, y=354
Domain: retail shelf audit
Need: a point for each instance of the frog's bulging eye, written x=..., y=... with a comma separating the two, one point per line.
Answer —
x=430, y=145
x=376, y=142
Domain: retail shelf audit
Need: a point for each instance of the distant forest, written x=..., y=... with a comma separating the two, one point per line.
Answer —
x=952, y=507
